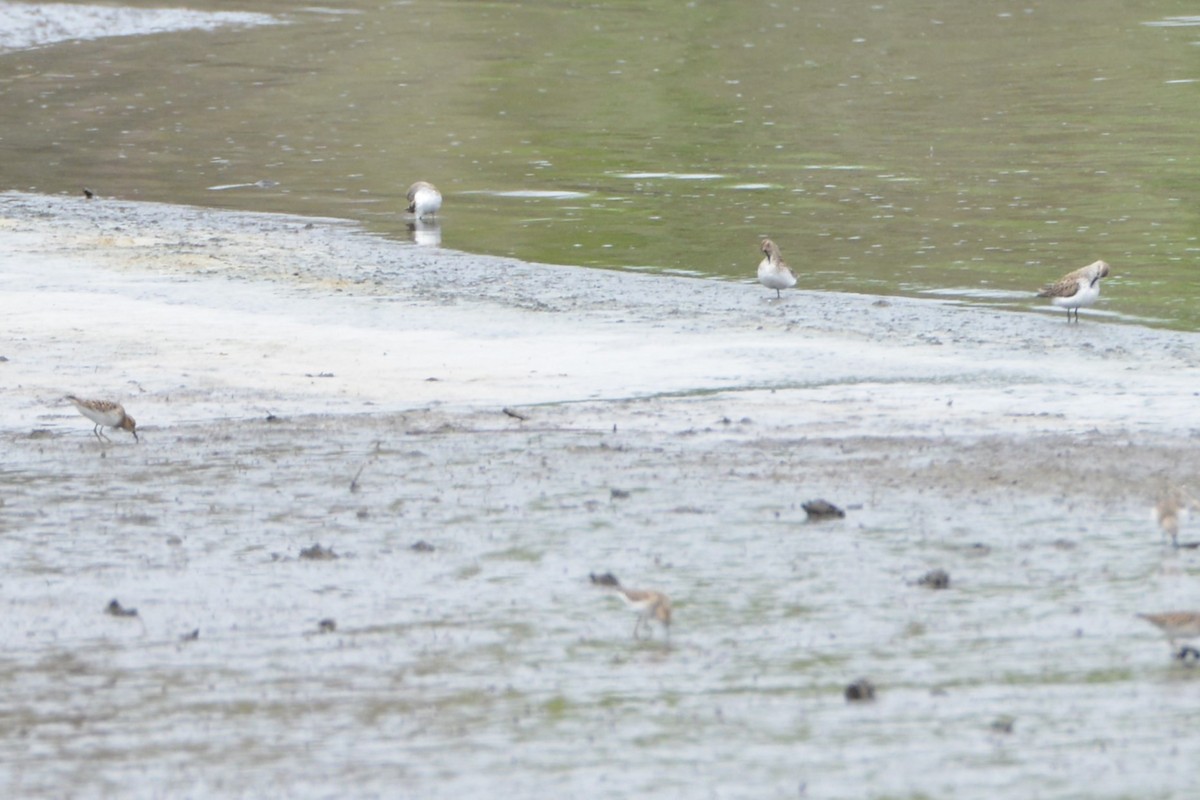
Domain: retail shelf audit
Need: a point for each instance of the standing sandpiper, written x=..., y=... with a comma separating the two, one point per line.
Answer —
x=1177, y=625
x=1171, y=511
x=1077, y=289
x=772, y=272
x=424, y=199
x=105, y=414
x=649, y=605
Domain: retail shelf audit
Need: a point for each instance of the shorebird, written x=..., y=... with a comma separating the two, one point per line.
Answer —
x=1172, y=509
x=1077, y=289
x=105, y=414
x=772, y=272
x=1177, y=625
x=649, y=605
x=424, y=199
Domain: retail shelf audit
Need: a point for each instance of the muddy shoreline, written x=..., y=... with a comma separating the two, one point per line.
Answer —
x=297, y=382
x=363, y=324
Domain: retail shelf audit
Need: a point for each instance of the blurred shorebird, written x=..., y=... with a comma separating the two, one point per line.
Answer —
x=649, y=605
x=424, y=199
x=772, y=272
x=1177, y=625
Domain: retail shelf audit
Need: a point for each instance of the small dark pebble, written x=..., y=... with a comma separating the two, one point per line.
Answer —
x=1003, y=724
x=362, y=513
x=935, y=579
x=115, y=609
x=273, y=418
x=861, y=690
x=318, y=553
x=619, y=494
x=607, y=579
x=822, y=509
x=327, y=625
x=191, y=637
x=422, y=546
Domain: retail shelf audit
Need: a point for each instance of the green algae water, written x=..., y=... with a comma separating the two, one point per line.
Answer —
x=965, y=151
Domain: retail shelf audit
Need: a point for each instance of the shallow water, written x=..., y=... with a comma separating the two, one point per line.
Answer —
x=297, y=382
x=973, y=151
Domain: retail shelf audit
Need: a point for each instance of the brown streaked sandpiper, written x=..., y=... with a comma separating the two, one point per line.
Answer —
x=649, y=605
x=1077, y=289
x=1172, y=509
x=772, y=272
x=105, y=414
x=1177, y=625
x=1168, y=511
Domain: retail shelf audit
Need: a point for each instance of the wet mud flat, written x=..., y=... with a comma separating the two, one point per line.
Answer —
x=300, y=385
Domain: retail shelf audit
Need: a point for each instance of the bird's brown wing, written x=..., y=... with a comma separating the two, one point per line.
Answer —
x=1068, y=286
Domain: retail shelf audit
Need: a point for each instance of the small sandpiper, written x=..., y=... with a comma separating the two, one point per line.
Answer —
x=1077, y=289
x=424, y=199
x=1178, y=625
x=649, y=605
x=772, y=272
x=1168, y=511
x=105, y=414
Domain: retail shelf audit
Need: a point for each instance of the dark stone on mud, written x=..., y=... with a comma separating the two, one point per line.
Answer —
x=115, y=609
x=318, y=553
x=935, y=579
x=822, y=509
x=861, y=691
